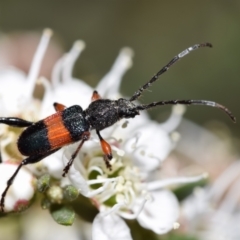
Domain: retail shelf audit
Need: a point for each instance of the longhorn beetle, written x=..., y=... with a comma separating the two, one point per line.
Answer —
x=72, y=124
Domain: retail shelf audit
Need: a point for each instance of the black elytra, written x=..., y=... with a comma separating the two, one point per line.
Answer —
x=69, y=125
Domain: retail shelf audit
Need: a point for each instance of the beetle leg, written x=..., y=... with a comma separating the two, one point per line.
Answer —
x=15, y=122
x=28, y=160
x=85, y=137
x=58, y=107
x=106, y=148
x=95, y=96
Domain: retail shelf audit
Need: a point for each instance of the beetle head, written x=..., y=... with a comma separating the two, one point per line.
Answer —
x=126, y=109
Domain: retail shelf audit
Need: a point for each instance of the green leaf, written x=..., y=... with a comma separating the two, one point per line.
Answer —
x=63, y=215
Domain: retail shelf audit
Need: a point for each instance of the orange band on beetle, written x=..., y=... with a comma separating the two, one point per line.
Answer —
x=58, y=135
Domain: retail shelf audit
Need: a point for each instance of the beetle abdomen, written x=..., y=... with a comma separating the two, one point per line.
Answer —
x=34, y=139
x=53, y=132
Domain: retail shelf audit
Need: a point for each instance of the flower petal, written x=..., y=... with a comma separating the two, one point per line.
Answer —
x=54, y=164
x=12, y=94
x=110, y=227
x=113, y=79
x=154, y=185
x=152, y=147
x=76, y=178
x=21, y=191
x=70, y=60
x=69, y=93
x=160, y=214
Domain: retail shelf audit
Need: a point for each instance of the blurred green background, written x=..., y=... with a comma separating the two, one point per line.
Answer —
x=156, y=31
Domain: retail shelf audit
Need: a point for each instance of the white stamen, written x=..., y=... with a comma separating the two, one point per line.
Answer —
x=103, y=180
x=126, y=197
x=37, y=60
x=132, y=193
x=79, y=182
x=95, y=168
x=98, y=164
x=47, y=92
x=113, y=78
x=93, y=193
x=57, y=69
x=120, y=198
x=135, y=215
x=172, y=181
x=106, y=195
x=45, y=83
x=71, y=58
x=174, y=119
x=114, y=209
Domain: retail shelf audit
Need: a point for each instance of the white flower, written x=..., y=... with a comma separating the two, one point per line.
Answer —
x=110, y=227
x=16, y=90
x=213, y=212
x=139, y=146
x=21, y=191
x=16, y=100
x=133, y=189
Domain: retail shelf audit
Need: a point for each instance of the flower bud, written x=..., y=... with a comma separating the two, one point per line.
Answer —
x=43, y=183
x=70, y=193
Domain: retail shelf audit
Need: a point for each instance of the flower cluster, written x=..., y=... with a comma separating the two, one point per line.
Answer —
x=133, y=189
x=213, y=212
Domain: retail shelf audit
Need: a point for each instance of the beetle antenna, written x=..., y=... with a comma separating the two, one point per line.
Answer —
x=188, y=102
x=138, y=93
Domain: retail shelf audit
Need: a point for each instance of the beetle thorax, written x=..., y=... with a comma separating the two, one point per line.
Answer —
x=126, y=108
x=103, y=113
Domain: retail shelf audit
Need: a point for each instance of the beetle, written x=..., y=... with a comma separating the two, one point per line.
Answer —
x=69, y=125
